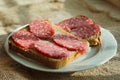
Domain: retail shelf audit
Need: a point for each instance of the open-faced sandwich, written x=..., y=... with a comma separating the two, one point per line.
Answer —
x=52, y=45
x=83, y=27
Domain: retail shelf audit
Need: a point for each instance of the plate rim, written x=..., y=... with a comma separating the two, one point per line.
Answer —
x=59, y=70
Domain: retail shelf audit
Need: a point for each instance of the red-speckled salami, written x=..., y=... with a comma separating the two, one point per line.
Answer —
x=51, y=49
x=81, y=26
x=76, y=22
x=86, y=31
x=24, y=38
x=71, y=43
x=41, y=28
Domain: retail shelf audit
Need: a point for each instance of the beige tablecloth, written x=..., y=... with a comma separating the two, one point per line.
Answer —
x=14, y=13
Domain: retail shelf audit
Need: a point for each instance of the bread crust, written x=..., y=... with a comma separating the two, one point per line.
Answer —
x=95, y=40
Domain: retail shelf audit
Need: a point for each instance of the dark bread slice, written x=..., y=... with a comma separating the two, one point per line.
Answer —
x=50, y=62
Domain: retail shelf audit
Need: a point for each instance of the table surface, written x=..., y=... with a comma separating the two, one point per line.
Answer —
x=14, y=13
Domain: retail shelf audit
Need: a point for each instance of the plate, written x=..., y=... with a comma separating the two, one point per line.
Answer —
x=96, y=55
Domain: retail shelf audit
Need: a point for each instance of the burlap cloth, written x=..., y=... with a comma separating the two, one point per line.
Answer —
x=14, y=13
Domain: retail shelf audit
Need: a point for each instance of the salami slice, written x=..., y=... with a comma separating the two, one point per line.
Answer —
x=41, y=28
x=51, y=49
x=71, y=43
x=86, y=31
x=76, y=22
x=81, y=26
x=24, y=38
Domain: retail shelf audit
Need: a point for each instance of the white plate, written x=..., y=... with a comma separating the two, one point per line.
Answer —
x=95, y=57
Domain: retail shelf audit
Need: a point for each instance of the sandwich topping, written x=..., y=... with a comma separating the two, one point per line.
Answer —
x=82, y=27
x=76, y=22
x=41, y=28
x=71, y=43
x=24, y=38
x=50, y=49
x=86, y=31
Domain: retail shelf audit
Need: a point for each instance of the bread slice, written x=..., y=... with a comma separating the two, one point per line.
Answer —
x=49, y=62
x=93, y=40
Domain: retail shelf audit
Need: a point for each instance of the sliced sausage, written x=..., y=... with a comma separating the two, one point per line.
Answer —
x=71, y=43
x=41, y=28
x=50, y=49
x=86, y=31
x=76, y=22
x=24, y=38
